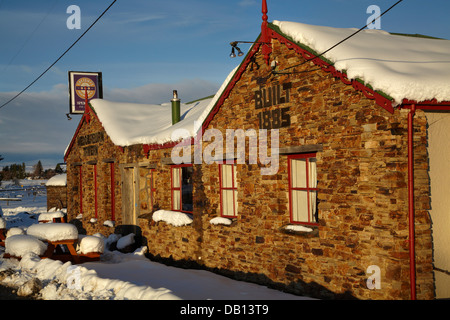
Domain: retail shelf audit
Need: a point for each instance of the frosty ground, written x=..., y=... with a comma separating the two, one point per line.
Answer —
x=117, y=276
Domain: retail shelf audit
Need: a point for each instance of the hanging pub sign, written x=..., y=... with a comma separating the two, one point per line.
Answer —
x=79, y=82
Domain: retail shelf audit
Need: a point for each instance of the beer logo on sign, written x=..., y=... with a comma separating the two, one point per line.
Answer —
x=82, y=84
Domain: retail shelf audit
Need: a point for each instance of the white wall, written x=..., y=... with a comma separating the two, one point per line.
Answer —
x=439, y=153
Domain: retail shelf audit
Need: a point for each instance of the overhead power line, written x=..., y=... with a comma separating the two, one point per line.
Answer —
x=340, y=42
x=29, y=37
x=60, y=57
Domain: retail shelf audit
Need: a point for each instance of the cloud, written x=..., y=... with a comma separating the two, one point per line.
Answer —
x=247, y=3
x=156, y=93
x=35, y=126
x=125, y=18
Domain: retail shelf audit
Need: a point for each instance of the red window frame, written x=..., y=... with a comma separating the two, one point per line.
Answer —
x=80, y=185
x=180, y=188
x=152, y=188
x=308, y=188
x=233, y=187
x=113, y=192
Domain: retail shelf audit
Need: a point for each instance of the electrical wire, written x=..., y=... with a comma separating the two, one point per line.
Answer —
x=337, y=44
x=60, y=57
x=29, y=37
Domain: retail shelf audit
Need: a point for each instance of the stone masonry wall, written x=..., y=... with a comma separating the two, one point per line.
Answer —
x=96, y=148
x=362, y=181
x=362, y=190
x=56, y=197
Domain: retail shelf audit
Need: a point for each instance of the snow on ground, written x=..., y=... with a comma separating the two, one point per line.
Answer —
x=117, y=276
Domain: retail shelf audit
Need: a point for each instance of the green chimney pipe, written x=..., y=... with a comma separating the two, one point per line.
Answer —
x=175, y=107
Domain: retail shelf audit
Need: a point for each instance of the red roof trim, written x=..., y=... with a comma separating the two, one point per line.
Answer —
x=427, y=105
x=215, y=109
x=87, y=117
x=381, y=100
x=84, y=118
x=325, y=66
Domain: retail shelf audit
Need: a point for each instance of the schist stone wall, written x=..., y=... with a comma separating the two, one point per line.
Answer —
x=362, y=166
x=56, y=197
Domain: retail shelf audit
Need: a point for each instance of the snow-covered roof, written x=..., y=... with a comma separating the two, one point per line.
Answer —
x=131, y=123
x=58, y=180
x=402, y=67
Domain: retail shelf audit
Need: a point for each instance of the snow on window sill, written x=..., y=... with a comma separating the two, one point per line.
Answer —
x=302, y=230
x=222, y=221
x=174, y=218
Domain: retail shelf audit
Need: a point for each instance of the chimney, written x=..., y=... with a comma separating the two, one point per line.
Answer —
x=175, y=108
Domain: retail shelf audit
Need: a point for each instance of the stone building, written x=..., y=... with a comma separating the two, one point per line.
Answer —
x=298, y=174
x=56, y=188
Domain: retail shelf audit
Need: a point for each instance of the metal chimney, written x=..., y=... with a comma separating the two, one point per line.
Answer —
x=175, y=108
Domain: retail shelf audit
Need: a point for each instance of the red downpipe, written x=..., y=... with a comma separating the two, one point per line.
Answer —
x=113, y=193
x=95, y=191
x=81, y=190
x=412, y=265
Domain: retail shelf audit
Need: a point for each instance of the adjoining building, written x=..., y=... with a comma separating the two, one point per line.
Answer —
x=333, y=182
x=56, y=188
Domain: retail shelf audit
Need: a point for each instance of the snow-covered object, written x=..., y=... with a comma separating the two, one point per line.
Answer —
x=109, y=223
x=132, y=123
x=220, y=220
x=294, y=227
x=48, y=216
x=174, y=218
x=111, y=239
x=91, y=244
x=2, y=223
x=59, y=180
x=13, y=231
x=69, y=282
x=401, y=67
x=53, y=231
x=125, y=241
x=20, y=244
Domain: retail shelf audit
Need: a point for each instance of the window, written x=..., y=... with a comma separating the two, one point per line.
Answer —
x=302, y=171
x=182, y=188
x=228, y=190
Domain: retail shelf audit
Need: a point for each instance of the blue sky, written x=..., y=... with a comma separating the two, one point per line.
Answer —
x=145, y=49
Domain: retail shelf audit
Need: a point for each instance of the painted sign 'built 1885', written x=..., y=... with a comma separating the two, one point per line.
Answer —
x=273, y=96
x=89, y=142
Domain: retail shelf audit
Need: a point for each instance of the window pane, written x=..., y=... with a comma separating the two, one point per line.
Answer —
x=312, y=172
x=175, y=177
x=176, y=199
x=299, y=205
x=186, y=189
x=298, y=173
x=313, y=206
x=227, y=202
x=226, y=176
x=229, y=196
